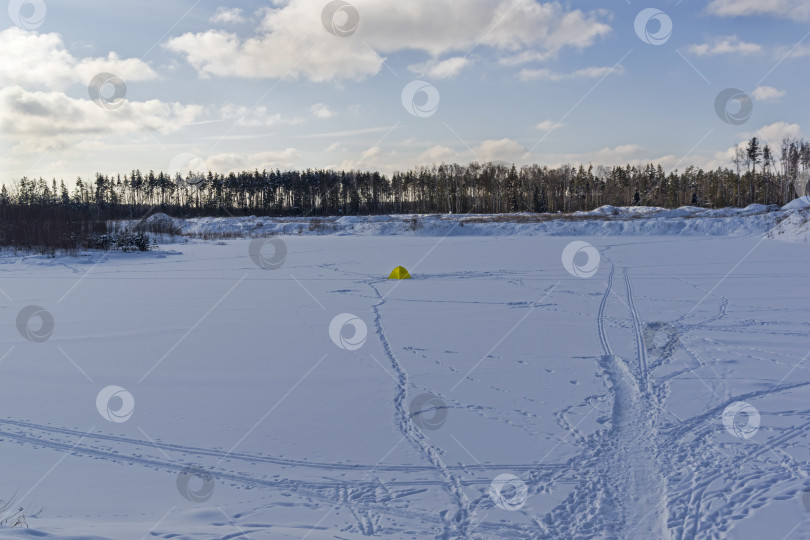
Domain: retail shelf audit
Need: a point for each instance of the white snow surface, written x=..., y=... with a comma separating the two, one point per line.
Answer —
x=601, y=397
x=802, y=203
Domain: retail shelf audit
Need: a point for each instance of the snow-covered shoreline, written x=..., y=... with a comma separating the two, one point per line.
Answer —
x=790, y=223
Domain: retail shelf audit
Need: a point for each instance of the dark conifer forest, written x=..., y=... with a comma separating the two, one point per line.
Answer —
x=36, y=211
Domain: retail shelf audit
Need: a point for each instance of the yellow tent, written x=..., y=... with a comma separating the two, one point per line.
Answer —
x=399, y=273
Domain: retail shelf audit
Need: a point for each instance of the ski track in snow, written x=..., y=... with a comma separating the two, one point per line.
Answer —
x=36, y=432
x=644, y=475
x=619, y=464
x=600, y=317
x=632, y=503
x=641, y=350
x=631, y=456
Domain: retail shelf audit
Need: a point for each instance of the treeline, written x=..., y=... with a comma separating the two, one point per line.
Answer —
x=758, y=177
x=48, y=229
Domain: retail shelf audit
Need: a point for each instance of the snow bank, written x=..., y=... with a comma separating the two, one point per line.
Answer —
x=793, y=222
x=802, y=203
x=789, y=223
x=795, y=227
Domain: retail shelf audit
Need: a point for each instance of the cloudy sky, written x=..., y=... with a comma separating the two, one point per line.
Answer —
x=90, y=86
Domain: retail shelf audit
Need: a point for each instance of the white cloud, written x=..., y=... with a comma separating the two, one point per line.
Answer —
x=609, y=157
x=411, y=141
x=498, y=149
x=510, y=25
x=767, y=93
x=38, y=121
x=271, y=159
x=334, y=147
x=524, y=58
x=554, y=76
x=371, y=153
x=41, y=61
x=301, y=46
x=793, y=9
x=489, y=150
x=228, y=16
x=437, y=154
x=224, y=54
x=446, y=69
x=770, y=134
x=801, y=50
x=618, y=154
x=346, y=133
x=256, y=116
x=549, y=125
x=722, y=159
x=774, y=133
x=370, y=159
x=725, y=45
x=321, y=110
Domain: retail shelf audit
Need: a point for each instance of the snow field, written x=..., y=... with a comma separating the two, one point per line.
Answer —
x=507, y=391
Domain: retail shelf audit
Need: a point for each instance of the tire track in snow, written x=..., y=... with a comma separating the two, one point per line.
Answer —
x=461, y=520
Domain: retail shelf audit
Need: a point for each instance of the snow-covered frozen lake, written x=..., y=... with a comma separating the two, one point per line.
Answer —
x=661, y=393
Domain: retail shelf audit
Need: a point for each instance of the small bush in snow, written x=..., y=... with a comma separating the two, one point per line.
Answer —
x=124, y=240
x=9, y=517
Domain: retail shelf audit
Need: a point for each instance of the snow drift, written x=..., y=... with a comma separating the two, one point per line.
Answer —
x=790, y=223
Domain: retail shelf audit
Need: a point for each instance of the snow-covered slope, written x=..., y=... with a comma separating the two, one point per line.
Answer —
x=802, y=203
x=785, y=224
x=793, y=223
